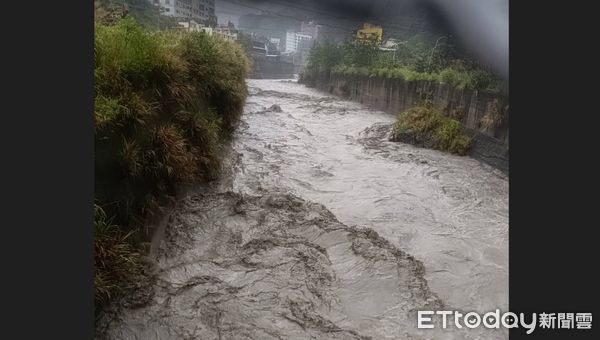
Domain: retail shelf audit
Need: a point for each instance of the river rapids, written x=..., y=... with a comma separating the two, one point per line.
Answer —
x=321, y=228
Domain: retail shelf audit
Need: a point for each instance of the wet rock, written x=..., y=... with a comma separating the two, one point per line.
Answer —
x=373, y=135
x=424, y=140
x=274, y=108
x=377, y=131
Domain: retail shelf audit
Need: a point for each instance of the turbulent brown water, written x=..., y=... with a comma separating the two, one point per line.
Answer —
x=323, y=229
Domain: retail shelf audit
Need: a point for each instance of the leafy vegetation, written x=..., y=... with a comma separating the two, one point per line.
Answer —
x=426, y=126
x=416, y=59
x=165, y=104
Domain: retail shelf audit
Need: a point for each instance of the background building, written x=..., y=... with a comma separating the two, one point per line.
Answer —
x=369, y=33
x=267, y=25
x=199, y=10
x=311, y=28
x=277, y=43
x=294, y=40
x=193, y=26
x=226, y=32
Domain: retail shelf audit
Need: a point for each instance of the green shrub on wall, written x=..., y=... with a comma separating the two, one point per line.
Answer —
x=427, y=126
x=414, y=61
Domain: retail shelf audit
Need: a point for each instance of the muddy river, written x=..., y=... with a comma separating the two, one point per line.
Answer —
x=323, y=229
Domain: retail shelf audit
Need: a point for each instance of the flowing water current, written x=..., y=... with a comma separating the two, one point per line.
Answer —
x=321, y=228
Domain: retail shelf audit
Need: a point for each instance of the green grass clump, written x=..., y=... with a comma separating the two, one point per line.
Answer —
x=426, y=126
x=117, y=261
x=456, y=78
x=165, y=105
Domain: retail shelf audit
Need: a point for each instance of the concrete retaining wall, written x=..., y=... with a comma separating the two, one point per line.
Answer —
x=484, y=115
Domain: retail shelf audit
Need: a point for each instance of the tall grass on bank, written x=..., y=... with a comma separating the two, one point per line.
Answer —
x=117, y=261
x=429, y=127
x=165, y=104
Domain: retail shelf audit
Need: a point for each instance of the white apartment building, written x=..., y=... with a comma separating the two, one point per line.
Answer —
x=199, y=10
x=294, y=39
